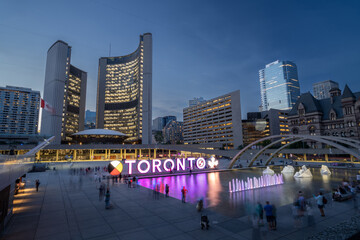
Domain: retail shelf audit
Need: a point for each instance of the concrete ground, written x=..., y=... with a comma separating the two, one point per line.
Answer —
x=67, y=208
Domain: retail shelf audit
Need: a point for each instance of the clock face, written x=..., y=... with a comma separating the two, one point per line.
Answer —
x=115, y=168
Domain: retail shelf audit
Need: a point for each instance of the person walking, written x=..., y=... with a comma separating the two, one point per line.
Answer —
x=320, y=202
x=101, y=191
x=37, y=184
x=107, y=199
x=259, y=212
x=167, y=188
x=183, y=194
x=269, y=215
x=134, y=181
x=274, y=213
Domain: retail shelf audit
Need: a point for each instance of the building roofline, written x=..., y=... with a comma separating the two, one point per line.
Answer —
x=197, y=105
x=59, y=41
x=128, y=55
x=23, y=89
x=78, y=68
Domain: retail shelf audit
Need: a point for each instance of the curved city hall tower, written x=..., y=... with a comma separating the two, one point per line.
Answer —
x=124, y=94
x=65, y=91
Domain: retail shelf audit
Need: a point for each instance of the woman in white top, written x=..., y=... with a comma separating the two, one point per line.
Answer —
x=320, y=202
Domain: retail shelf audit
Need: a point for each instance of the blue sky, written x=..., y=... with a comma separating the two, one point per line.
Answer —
x=200, y=48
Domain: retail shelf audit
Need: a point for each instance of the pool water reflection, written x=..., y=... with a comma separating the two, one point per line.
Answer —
x=214, y=188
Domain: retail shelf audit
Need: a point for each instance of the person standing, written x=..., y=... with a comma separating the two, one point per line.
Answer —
x=167, y=188
x=301, y=204
x=37, y=184
x=269, y=215
x=320, y=202
x=183, y=194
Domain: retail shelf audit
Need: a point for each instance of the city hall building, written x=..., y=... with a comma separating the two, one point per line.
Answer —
x=215, y=121
x=337, y=116
x=65, y=91
x=124, y=94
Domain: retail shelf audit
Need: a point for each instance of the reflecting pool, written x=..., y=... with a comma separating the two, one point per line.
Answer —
x=214, y=188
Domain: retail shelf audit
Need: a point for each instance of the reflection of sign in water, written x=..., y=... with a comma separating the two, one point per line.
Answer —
x=115, y=168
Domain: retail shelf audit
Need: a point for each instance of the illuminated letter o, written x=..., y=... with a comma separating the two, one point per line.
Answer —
x=200, y=163
x=172, y=165
x=147, y=168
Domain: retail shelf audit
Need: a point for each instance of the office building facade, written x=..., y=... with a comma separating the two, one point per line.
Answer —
x=279, y=85
x=19, y=111
x=173, y=132
x=196, y=101
x=160, y=122
x=124, y=94
x=276, y=119
x=65, y=91
x=254, y=129
x=90, y=119
x=321, y=90
x=157, y=124
x=215, y=121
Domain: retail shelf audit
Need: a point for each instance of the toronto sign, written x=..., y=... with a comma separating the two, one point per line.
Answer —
x=158, y=166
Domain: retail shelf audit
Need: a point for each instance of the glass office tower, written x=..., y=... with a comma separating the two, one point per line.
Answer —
x=124, y=98
x=279, y=85
x=322, y=89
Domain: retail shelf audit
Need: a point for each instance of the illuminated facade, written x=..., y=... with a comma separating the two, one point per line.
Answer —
x=65, y=91
x=279, y=85
x=214, y=121
x=266, y=123
x=124, y=94
x=19, y=110
x=254, y=130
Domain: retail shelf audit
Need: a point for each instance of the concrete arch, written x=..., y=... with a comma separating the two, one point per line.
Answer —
x=348, y=141
x=241, y=152
x=331, y=141
x=319, y=139
x=281, y=148
x=267, y=147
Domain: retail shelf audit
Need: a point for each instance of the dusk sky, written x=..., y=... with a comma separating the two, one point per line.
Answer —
x=200, y=48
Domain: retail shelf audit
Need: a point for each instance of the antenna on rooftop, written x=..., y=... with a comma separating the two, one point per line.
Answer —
x=109, y=49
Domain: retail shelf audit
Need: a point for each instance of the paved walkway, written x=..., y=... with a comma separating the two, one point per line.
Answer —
x=66, y=209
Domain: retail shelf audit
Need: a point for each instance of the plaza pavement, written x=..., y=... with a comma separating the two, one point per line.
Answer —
x=66, y=209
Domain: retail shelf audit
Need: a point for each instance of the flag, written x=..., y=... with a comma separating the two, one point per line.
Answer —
x=46, y=106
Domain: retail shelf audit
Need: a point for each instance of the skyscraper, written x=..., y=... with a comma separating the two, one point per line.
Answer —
x=321, y=89
x=19, y=110
x=279, y=85
x=65, y=91
x=160, y=122
x=124, y=94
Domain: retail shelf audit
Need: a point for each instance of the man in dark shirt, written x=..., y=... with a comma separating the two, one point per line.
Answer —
x=269, y=215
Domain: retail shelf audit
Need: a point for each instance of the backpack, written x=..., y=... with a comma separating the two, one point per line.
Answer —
x=324, y=200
